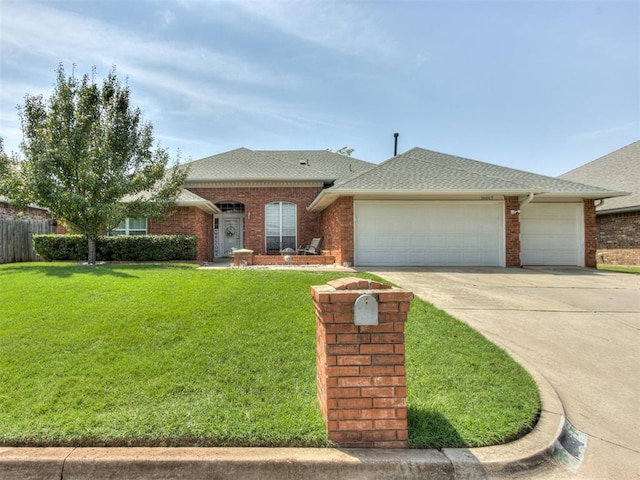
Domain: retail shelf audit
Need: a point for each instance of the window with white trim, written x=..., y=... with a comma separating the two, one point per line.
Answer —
x=281, y=226
x=131, y=226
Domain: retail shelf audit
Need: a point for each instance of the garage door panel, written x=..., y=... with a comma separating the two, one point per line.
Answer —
x=429, y=233
x=551, y=234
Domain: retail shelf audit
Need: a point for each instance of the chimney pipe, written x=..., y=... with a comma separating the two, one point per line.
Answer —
x=395, y=144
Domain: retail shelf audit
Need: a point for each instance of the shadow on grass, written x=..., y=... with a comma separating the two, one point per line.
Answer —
x=66, y=271
x=431, y=429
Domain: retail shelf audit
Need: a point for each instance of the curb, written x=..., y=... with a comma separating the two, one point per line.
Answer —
x=533, y=451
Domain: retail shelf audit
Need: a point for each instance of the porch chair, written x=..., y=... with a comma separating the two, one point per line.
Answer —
x=312, y=249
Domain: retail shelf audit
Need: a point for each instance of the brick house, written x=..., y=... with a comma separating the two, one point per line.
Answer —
x=417, y=208
x=31, y=212
x=618, y=219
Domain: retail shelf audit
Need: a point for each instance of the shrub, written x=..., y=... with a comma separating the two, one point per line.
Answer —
x=123, y=248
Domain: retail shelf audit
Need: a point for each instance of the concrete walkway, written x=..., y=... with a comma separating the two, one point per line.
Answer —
x=580, y=328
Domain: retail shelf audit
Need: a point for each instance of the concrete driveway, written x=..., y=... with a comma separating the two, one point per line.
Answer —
x=579, y=328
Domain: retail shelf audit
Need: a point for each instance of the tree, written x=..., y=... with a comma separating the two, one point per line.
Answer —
x=88, y=158
x=4, y=166
x=346, y=151
x=7, y=164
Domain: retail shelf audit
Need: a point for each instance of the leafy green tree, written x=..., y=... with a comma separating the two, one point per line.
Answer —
x=346, y=151
x=89, y=158
x=7, y=165
x=4, y=166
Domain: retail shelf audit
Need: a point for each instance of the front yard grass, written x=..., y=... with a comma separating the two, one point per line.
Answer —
x=161, y=355
x=620, y=269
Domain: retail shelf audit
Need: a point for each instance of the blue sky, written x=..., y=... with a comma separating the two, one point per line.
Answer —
x=543, y=86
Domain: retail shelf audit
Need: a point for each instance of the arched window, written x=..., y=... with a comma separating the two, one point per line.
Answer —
x=281, y=226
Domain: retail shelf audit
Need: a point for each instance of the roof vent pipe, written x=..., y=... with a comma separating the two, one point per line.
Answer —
x=395, y=143
x=527, y=200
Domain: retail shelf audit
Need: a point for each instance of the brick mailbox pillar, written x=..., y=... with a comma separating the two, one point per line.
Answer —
x=362, y=387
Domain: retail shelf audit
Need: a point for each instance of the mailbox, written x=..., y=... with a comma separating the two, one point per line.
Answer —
x=365, y=310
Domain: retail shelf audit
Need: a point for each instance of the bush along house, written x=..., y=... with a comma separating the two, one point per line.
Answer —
x=420, y=208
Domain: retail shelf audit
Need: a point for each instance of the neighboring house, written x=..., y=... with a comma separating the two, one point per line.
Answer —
x=31, y=212
x=418, y=208
x=618, y=219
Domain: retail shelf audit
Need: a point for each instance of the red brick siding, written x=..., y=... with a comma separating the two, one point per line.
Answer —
x=293, y=260
x=590, y=234
x=619, y=230
x=255, y=199
x=337, y=228
x=619, y=238
x=188, y=221
x=512, y=232
x=619, y=256
x=9, y=211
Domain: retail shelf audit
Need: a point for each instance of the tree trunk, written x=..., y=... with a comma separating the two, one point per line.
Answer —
x=92, y=249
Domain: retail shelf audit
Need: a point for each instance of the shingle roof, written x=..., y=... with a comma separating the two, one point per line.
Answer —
x=425, y=170
x=245, y=164
x=190, y=199
x=421, y=171
x=619, y=170
x=6, y=200
x=338, y=166
x=185, y=199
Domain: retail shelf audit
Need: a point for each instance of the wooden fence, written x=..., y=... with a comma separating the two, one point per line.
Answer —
x=16, y=244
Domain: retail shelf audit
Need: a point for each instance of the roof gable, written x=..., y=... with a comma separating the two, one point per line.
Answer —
x=425, y=172
x=243, y=164
x=339, y=166
x=618, y=170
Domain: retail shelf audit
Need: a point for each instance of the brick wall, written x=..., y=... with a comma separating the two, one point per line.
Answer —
x=255, y=199
x=188, y=221
x=9, y=211
x=619, y=238
x=361, y=368
x=590, y=233
x=618, y=256
x=619, y=230
x=512, y=232
x=338, y=230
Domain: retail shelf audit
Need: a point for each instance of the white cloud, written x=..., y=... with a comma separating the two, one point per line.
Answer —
x=167, y=17
x=605, y=132
x=29, y=29
x=339, y=26
x=192, y=80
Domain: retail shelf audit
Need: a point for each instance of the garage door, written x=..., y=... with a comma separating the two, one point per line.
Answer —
x=551, y=234
x=429, y=233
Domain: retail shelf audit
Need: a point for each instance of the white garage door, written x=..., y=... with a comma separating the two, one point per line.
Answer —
x=552, y=234
x=429, y=233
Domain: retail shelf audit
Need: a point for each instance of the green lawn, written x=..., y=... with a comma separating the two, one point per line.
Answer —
x=616, y=268
x=170, y=355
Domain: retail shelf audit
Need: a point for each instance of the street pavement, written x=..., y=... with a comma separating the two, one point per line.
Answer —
x=579, y=328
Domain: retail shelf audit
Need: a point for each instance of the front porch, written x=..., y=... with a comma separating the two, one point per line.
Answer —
x=245, y=258
x=293, y=260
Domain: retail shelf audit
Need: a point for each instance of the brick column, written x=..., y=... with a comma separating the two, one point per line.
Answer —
x=242, y=257
x=361, y=368
x=590, y=233
x=512, y=231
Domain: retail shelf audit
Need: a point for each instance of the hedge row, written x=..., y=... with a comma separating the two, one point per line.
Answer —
x=120, y=248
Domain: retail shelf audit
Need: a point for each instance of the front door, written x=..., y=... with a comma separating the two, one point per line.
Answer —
x=230, y=234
